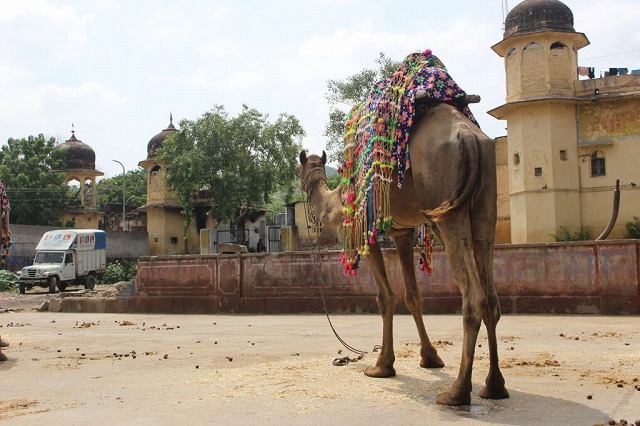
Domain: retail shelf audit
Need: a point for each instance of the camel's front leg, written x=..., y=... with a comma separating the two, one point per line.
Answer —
x=403, y=240
x=386, y=300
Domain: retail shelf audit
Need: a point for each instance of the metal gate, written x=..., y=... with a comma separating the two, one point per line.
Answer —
x=273, y=239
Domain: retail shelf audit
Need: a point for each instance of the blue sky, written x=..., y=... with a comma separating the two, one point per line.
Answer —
x=116, y=68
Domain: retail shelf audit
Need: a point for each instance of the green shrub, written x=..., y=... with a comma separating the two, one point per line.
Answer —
x=633, y=228
x=583, y=234
x=7, y=280
x=119, y=270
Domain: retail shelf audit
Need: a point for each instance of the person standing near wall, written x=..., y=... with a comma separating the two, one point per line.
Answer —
x=260, y=247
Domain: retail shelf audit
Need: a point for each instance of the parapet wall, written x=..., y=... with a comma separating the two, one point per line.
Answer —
x=584, y=277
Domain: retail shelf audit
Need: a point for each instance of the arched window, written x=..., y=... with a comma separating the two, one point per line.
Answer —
x=532, y=46
x=598, y=164
x=558, y=45
x=511, y=51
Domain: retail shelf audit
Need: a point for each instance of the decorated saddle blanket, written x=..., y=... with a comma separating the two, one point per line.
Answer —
x=376, y=143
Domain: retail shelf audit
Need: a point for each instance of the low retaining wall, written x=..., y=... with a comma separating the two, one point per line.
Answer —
x=583, y=277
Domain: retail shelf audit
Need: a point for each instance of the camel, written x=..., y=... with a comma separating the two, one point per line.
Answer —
x=452, y=186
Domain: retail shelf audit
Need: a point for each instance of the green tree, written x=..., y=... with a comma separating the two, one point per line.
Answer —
x=633, y=228
x=583, y=234
x=135, y=189
x=37, y=193
x=236, y=162
x=344, y=94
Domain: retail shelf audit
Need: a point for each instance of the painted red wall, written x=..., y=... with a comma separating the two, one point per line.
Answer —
x=583, y=277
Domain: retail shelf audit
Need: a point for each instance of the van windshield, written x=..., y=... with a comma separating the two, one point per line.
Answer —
x=48, y=257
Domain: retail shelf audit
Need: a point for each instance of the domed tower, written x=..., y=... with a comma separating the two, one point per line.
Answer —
x=539, y=48
x=156, y=188
x=164, y=217
x=79, y=163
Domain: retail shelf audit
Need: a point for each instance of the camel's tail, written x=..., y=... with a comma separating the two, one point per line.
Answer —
x=469, y=182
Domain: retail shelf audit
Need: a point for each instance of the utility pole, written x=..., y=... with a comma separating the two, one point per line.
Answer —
x=124, y=211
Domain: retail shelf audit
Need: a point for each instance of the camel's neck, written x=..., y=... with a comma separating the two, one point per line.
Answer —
x=326, y=204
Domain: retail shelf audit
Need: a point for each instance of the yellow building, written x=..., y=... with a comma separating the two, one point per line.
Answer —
x=165, y=222
x=569, y=140
x=80, y=165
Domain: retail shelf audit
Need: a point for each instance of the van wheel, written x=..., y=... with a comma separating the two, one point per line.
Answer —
x=90, y=283
x=23, y=288
x=53, y=283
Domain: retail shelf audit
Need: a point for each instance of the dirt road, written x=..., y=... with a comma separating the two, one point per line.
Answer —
x=225, y=369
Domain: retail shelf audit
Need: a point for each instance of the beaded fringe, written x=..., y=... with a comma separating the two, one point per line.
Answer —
x=376, y=139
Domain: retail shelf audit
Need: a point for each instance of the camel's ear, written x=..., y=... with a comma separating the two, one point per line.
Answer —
x=303, y=157
x=324, y=157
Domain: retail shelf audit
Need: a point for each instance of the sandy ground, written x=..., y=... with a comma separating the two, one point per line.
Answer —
x=226, y=369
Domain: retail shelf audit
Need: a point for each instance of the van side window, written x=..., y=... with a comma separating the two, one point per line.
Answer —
x=68, y=258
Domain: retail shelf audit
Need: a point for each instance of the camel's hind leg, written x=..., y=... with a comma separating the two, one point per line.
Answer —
x=403, y=240
x=494, y=385
x=456, y=234
x=386, y=300
x=483, y=224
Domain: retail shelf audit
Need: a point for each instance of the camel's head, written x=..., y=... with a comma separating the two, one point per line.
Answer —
x=311, y=170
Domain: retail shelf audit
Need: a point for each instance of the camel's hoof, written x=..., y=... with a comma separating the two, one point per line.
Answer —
x=432, y=362
x=494, y=392
x=454, y=398
x=3, y=357
x=380, y=372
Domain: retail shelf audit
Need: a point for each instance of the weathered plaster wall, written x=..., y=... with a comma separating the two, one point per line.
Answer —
x=593, y=278
x=503, y=227
x=612, y=129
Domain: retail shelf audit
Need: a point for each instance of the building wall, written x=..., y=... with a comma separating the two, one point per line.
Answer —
x=86, y=220
x=157, y=191
x=165, y=222
x=543, y=169
x=540, y=64
x=555, y=122
x=165, y=227
x=503, y=227
x=613, y=129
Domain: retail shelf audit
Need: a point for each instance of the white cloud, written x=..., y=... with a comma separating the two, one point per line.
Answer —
x=41, y=28
x=52, y=102
x=180, y=24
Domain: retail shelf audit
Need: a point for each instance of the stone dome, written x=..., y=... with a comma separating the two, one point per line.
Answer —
x=156, y=141
x=538, y=15
x=77, y=155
